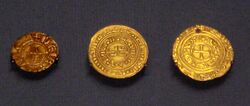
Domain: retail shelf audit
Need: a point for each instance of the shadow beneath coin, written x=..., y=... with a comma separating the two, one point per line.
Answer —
x=197, y=84
x=33, y=76
x=115, y=82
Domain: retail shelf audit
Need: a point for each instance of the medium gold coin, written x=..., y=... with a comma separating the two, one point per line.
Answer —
x=34, y=52
x=118, y=51
x=202, y=53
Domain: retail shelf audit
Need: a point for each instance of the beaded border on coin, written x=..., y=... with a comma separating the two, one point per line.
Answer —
x=184, y=61
x=34, y=52
x=104, y=33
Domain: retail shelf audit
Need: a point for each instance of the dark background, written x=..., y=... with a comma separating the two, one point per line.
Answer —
x=72, y=82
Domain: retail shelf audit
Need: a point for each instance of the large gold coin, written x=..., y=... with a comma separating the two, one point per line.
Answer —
x=202, y=53
x=118, y=51
x=34, y=52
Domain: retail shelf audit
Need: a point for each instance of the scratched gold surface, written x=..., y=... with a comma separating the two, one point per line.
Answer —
x=118, y=51
x=34, y=52
x=202, y=53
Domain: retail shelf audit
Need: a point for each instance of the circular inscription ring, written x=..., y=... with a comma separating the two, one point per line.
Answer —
x=202, y=53
x=34, y=52
x=118, y=51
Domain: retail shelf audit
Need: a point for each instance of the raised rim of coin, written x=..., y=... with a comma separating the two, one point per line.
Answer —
x=34, y=52
x=213, y=61
x=112, y=70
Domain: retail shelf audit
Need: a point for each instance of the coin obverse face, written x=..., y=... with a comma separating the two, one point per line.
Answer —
x=118, y=51
x=202, y=53
x=34, y=52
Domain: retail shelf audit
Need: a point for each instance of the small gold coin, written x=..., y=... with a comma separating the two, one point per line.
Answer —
x=202, y=53
x=34, y=52
x=118, y=51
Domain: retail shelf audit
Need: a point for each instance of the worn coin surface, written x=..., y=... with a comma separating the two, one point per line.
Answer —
x=118, y=51
x=34, y=52
x=202, y=53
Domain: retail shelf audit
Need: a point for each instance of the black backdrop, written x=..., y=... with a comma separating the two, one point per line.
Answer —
x=72, y=82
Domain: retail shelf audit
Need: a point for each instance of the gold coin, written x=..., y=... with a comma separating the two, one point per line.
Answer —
x=34, y=52
x=118, y=51
x=202, y=53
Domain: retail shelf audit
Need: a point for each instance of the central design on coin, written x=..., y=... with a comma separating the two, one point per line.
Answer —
x=201, y=51
x=34, y=53
x=198, y=51
x=118, y=52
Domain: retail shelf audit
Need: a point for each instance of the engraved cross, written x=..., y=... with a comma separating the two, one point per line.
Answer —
x=201, y=51
x=36, y=53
